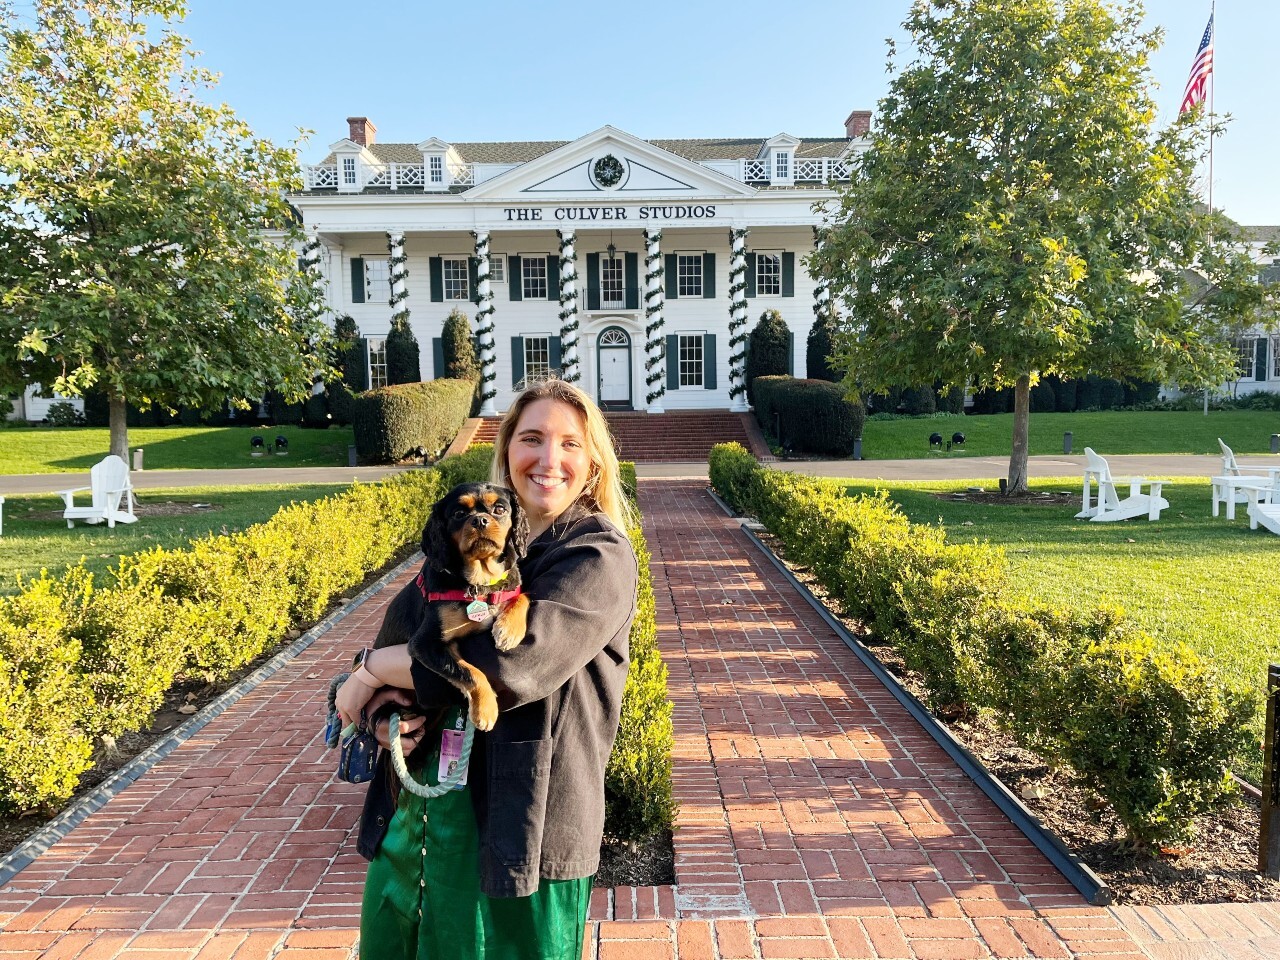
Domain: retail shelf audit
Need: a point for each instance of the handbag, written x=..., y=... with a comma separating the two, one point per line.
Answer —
x=358, y=756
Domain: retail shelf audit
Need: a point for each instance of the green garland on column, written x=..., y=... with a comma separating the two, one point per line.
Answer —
x=484, y=322
x=398, y=274
x=737, y=312
x=655, y=347
x=570, y=370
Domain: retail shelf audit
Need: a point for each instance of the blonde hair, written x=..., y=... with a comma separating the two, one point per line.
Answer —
x=603, y=492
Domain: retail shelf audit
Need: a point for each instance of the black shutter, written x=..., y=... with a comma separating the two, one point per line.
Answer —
x=629, y=279
x=673, y=362
x=671, y=278
x=593, y=281
x=436, y=267
x=517, y=361
x=788, y=274
x=361, y=372
x=553, y=352
x=473, y=278
x=437, y=356
x=1260, y=359
x=513, y=279
x=553, y=277
x=751, y=275
x=357, y=279
x=708, y=276
x=791, y=354
x=709, y=361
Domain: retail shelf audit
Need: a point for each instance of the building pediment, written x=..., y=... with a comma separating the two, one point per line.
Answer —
x=609, y=163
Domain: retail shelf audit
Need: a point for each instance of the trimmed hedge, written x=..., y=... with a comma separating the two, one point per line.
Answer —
x=1149, y=727
x=391, y=423
x=816, y=417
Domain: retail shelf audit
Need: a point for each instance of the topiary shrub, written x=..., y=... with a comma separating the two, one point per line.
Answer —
x=282, y=411
x=1064, y=394
x=348, y=354
x=392, y=423
x=814, y=415
x=992, y=401
x=919, y=401
x=949, y=399
x=1141, y=393
x=768, y=350
x=460, y=362
x=1089, y=393
x=1111, y=394
x=404, y=357
x=63, y=414
x=315, y=412
x=1043, y=399
x=818, y=349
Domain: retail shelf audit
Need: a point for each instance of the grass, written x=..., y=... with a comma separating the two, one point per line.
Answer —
x=1108, y=432
x=1188, y=577
x=36, y=536
x=76, y=449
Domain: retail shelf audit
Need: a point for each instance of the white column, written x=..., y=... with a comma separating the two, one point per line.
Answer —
x=399, y=273
x=655, y=369
x=570, y=370
x=484, y=327
x=738, y=320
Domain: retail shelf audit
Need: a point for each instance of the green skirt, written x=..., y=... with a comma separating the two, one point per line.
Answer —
x=422, y=898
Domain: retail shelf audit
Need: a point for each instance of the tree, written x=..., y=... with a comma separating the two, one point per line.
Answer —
x=818, y=348
x=459, y=348
x=1017, y=215
x=768, y=349
x=146, y=242
x=404, y=356
x=348, y=352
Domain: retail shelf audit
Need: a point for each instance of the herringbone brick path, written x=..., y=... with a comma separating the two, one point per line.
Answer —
x=817, y=819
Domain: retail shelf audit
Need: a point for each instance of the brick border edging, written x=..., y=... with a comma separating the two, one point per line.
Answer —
x=462, y=442
x=27, y=852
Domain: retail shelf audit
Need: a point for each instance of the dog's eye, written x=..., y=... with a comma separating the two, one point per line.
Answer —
x=499, y=510
x=459, y=514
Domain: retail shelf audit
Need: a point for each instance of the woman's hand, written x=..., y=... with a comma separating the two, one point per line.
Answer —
x=352, y=698
x=411, y=730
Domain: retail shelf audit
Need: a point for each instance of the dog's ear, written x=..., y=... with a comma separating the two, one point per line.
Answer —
x=435, y=537
x=518, y=538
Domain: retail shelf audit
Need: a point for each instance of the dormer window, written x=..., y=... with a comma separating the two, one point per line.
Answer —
x=436, y=166
x=349, y=171
x=782, y=165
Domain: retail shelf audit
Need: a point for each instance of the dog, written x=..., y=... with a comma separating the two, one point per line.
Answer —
x=473, y=539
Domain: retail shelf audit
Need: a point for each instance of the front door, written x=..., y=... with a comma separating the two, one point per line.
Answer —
x=614, y=356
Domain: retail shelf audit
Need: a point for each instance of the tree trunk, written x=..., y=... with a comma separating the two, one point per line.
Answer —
x=1017, y=484
x=119, y=425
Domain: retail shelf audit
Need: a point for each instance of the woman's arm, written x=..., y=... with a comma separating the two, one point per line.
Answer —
x=388, y=667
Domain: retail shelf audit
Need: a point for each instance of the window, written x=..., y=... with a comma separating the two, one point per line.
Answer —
x=768, y=275
x=349, y=170
x=377, y=363
x=377, y=278
x=1247, y=350
x=537, y=358
x=690, y=359
x=689, y=274
x=436, y=166
x=497, y=268
x=1275, y=358
x=533, y=276
x=456, y=278
x=612, y=285
x=782, y=165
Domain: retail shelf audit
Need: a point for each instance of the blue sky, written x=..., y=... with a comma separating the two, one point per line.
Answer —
x=556, y=70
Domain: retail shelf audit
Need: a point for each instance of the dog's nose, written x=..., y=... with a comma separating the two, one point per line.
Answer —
x=480, y=520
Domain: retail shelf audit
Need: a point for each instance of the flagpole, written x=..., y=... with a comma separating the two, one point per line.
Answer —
x=1213, y=19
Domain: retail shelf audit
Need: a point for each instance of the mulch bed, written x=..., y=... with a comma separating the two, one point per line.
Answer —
x=1055, y=498
x=143, y=508
x=1219, y=866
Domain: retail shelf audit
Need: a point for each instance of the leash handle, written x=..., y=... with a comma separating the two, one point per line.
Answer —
x=402, y=770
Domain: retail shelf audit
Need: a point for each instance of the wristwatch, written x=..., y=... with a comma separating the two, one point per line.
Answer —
x=361, y=672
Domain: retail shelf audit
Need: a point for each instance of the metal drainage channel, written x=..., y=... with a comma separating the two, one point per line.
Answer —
x=1078, y=874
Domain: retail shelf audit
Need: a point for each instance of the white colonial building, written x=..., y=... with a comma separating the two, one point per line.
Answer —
x=635, y=266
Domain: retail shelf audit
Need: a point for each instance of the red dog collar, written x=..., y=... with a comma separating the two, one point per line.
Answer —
x=494, y=598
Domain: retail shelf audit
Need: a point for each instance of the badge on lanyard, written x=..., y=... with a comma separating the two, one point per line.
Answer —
x=478, y=611
x=451, y=754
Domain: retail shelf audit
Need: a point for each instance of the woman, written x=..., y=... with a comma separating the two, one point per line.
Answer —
x=502, y=868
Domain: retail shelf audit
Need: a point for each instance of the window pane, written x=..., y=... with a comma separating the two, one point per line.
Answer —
x=1246, y=352
x=455, y=279
x=348, y=169
x=537, y=358
x=691, y=360
x=377, y=278
x=611, y=283
x=497, y=268
x=1275, y=358
x=768, y=275
x=782, y=166
x=437, y=169
x=377, y=363
x=533, y=273
x=689, y=275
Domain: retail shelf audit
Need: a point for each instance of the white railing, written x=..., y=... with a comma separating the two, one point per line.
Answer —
x=320, y=178
x=753, y=170
x=464, y=174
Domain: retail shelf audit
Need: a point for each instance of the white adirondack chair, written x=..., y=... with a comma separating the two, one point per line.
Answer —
x=109, y=488
x=1237, y=486
x=1263, y=508
x=1109, y=506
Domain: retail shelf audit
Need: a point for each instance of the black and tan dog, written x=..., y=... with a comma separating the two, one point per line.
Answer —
x=473, y=539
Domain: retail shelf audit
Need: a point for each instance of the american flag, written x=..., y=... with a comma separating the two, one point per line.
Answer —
x=1200, y=71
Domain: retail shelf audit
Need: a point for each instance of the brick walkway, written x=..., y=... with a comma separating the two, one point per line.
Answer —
x=817, y=819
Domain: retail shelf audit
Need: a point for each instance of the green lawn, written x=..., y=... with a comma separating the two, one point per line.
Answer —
x=1210, y=583
x=36, y=536
x=1108, y=432
x=76, y=449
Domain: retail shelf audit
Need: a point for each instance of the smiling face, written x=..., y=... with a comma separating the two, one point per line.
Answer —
x=548, y=460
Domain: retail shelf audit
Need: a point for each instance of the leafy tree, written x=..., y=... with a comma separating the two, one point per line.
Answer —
x=348, y=353
x=768, y=349
x=818, y=349
x=1017, y=215
x=459, y=348
x=146, y=242
x=404, y=356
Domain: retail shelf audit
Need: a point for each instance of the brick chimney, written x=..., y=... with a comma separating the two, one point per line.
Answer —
x=363, y=131
x=857, y=124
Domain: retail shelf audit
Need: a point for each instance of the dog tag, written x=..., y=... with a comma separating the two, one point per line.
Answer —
x=450, y=755
x=478, y=611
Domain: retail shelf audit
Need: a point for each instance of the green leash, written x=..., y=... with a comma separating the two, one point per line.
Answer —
x=402, y=770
